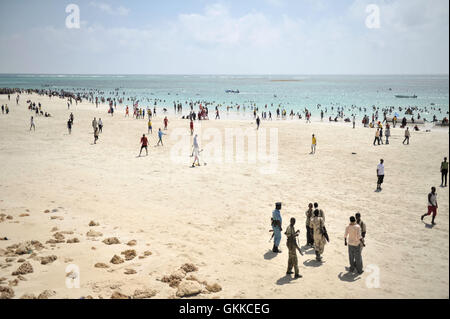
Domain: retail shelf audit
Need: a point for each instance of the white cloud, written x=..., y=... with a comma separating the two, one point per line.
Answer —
x=119, y=11
x=216, y=41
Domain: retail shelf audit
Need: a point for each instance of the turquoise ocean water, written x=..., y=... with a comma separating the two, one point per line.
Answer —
x=290, y=92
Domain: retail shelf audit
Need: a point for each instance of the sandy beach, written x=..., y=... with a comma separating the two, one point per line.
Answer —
x=214, y=217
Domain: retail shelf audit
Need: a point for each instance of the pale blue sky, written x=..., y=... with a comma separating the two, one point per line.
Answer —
x=225, y=37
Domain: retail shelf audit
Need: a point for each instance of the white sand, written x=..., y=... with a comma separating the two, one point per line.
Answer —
x=218, y=216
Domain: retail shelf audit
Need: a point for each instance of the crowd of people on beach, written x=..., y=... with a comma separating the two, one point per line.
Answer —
x=316, y=233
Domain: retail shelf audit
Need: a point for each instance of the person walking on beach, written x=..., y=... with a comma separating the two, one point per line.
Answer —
x=354, y=121
x=318, y=225
x=166, y=121
x=69, y=126
x=94, y=124
x=292, y=246
x=377, y=137
x=313, y=144
x=355, y=239
x=380, y=174
x=160, y=135
x=387, y=133
x=71, y=118
x=32, y=126
x=258, y=121
x=150, y=130
x=144, y=145
x=100, y=125
x=432, y=205
x=361, y=224
x=381, y=134
x=276, y=227
x=407, y=135
x=309, y=232
x=3, y=109
x=321, y=212
x=95, y=135
x=191, y=127
x=196, y=151
x=444, y=172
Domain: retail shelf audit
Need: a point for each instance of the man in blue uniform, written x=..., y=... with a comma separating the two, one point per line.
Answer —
x=276, y=226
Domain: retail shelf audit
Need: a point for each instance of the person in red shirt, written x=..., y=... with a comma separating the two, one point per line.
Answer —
x=144, y=142
x=191, y=125
x=166, y=121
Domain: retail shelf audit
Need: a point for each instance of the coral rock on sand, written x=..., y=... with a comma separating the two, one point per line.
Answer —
x=13, y=283
x=189, y=267
x=28, y=296
x=175, y=278
x=57, y=217
x=111, y=241
x=101, y=265
x=144, y=294
x=189, y=288
x=20, y=260
x=130, y=272
x=214, y=287
x=129, y=254
x=6, y=292
x=54, y=229
x=58, y=236
x=48, y=259
x=73, y=241
x=25, y=247
x=118, y=295
x=9, y=217
x=132, y=243
x=116, y=260
x=8, y=260
x=23, y=269
x=93, y=233
x=46, y=211
x=55, y=241
x=92, y=223
x=147, y=253
x=20, y=277
x=24, y=215
x=46, y=294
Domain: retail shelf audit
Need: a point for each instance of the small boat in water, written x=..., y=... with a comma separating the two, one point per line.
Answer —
x=232, y=91
x=406, y=96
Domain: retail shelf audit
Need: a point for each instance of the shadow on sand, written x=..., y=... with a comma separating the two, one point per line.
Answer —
x=270, y=255
x=349, y=277
x=312, y=263
x=286, y=280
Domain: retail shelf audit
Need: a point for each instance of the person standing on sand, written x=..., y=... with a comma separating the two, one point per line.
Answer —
x=354, y=121
x=166, y=121
x=3, y=109
x=313, y=144
x=432, y=205
x=258, y=121
x=32, y=124
x=276, y=227
x=100, y=125
x=94, y=124
x=444, y=172
x=160, y=135
x=380, y=174
x=321, y=212
x=363, y=227
x=377, y=137
x=407, y=135
x=150, y=130
x=196, y=152
x=95, y=135
x=318, y=225
x=191, y=127
x=353, y=233
x=144, y=144
x=387, y=133
x=309, y=232
x=292, y=246
x=69, y=126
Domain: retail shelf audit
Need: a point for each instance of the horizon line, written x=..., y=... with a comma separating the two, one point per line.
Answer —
x=236, y=74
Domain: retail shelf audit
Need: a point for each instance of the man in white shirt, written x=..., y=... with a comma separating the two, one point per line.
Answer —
x=353, y=233
x=380, y=174
x=432, y=205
